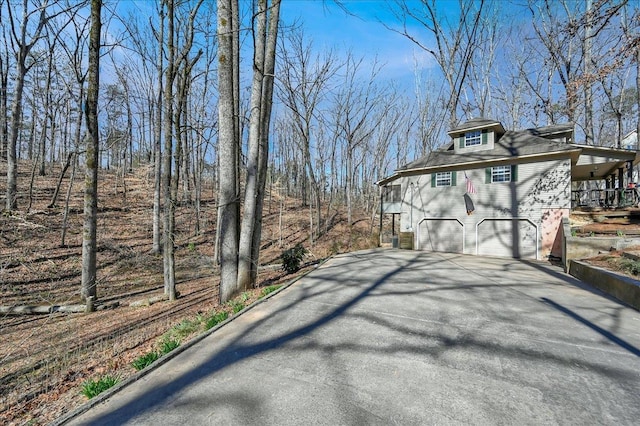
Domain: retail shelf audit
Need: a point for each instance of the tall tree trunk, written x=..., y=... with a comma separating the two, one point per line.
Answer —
x=89, y=242
x=4, y=83
x=16, y=119
x=65, y=211
x=589, y=77
x=169, y=206
x=157, y=163
x=48, y=114
x=228, y=151
x=265, y=37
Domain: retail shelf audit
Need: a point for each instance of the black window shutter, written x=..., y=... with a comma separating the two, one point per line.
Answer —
x=453, y=178
x=514, y=172
x=484, y=137
x=487, y=175
x=433, y=180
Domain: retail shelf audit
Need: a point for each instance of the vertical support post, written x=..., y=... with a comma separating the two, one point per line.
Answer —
x=381, y=210
x=393, y=224
x=620, y=186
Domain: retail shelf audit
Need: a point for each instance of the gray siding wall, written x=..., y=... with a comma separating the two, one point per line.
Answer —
x=539, y=187
x=482, y=147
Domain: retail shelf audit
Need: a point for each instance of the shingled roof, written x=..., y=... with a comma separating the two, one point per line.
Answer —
x=478, y=123
x=514, y=144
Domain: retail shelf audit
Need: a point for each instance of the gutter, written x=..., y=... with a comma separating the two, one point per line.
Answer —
x=485, y=163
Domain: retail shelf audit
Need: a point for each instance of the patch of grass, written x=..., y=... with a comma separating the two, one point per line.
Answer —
x=269, y=290
x=168, y=345
x=237, y=306
x=145, y=360
x=245, y=296
x=619, y=233
x=215, y=319
x=183, y=329
x=91, y=388
x=630, y=266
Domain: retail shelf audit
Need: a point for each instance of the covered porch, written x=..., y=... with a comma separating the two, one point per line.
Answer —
x=604, y=178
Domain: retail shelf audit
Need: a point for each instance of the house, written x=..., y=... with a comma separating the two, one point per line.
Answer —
x=630, y=140
x=502, y=193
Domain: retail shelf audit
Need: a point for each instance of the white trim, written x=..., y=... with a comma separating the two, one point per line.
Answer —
x=482, y=163
x=508, y=218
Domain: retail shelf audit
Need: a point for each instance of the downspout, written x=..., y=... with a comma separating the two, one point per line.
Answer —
x=411, y=208
x=380, y=228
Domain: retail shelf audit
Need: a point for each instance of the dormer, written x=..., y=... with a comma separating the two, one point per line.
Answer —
x=478, y=134
x=558, y=132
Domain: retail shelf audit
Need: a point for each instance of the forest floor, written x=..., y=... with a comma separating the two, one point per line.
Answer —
x=46, y=359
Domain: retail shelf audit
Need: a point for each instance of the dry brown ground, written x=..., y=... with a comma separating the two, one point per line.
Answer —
x=44, y=359
x=599, y=224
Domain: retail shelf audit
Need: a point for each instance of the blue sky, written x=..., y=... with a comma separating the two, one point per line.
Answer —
x=329, y=26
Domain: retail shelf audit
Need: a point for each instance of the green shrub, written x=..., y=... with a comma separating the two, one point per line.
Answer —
x=91, y=388
x=270, y=289
x=216, y=319
x=237, y=307
x=168, y=345
x=631, y=266
x=145, y=360
x=292, y=258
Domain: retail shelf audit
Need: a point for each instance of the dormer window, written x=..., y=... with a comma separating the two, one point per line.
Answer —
x=473, y=138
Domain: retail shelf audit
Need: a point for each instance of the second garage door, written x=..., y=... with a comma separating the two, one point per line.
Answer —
x=510, y=237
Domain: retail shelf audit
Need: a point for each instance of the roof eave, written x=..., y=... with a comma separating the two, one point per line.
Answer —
x=573, y=153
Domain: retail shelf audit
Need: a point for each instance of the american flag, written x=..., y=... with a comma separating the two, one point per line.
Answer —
x=470, y=188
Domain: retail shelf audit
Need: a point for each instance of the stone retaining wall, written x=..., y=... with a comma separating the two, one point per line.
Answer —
x=574, y=248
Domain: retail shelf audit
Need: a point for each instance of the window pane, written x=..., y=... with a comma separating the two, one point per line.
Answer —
x=473, y=138
x=501, y=174
x=443, y=179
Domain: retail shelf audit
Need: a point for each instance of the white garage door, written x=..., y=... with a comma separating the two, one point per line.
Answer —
x=509, y=237
x=438, y=234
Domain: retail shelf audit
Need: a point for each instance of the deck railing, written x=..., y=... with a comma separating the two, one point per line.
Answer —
x=605, y=198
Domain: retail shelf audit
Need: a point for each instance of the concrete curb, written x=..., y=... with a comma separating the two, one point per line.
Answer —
x=621, y=287
x=167, y=357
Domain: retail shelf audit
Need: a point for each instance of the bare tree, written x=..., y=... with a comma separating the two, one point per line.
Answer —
x=355, y=107
x=303, y=85
x=23, y=43
x=89, y=242
x=4, y=85
x=228, y=144
x=455, y=43
x=265, y=37
x=566, y=33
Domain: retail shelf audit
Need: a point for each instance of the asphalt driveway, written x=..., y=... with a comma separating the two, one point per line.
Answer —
x=403, y=337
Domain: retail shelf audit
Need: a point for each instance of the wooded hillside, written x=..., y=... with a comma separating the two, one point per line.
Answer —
x=45, y=358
